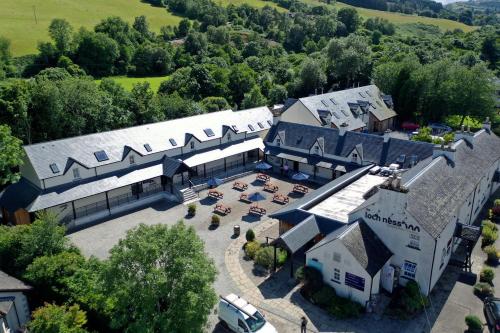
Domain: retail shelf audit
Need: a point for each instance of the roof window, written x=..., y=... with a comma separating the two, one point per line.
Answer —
x=147, y=147
x=260, y=125
x=172, y=142
x=251, y=127
x=209, y=132
x=101, y=156
x=54, y=168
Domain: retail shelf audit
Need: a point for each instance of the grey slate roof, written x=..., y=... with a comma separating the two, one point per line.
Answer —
x=436, y=194
x=344, y=106
x=9, y=283
x=375, y=150
x=370, y=252
x=157, y=135
x=300, y=234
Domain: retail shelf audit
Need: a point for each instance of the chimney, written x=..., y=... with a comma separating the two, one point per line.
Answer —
x=387, y=135
x=446, y=151
x=487, y=124
x=467, y=135
x=343, y=128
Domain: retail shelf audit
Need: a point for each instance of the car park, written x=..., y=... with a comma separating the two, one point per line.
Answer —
x=239, y=316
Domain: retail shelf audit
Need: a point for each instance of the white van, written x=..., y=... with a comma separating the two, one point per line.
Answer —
x=240, y=316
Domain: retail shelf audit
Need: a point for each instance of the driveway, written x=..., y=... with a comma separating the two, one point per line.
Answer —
x=97, y=240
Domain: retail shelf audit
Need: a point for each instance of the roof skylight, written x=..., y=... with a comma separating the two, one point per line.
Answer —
x=260, y=125
x=172, y=142
x=101, y=156
x=54, y=168
x=209, y=132
x=251, y=127
x=147, y=147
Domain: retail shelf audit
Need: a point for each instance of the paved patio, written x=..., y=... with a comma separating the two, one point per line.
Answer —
x=97, y=240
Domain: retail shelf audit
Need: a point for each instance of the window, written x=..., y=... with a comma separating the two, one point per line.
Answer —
x=336, y=115
x=172, y=142
x=443, y=257
x=251, y=127
x=54, y=168
x=228, y=136
x=278, y=141
x=192, y=144
x=354, y=157
x=209, y=132
x=336, y=275
x=235, y=128
x=401, y=159
x=147, y=147
x=333, y=101
x=76, y=173
x=362, y=95
x=344, y=112
x=324, y=103
x=260, y=125
x=337, y=257
x=270, y=123
x=448, y=246
x=242, y=325
x=409, y=269
x=316, y=150
x=131, y=159
x=368, y=93
x=101, y=156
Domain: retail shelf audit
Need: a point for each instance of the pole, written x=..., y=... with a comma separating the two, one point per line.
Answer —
x=34, y=14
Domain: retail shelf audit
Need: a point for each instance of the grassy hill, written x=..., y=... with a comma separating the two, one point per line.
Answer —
x=400, y=19
x=17, y=17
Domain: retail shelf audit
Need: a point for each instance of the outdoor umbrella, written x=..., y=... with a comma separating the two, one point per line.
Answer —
x=300, y=176
x=257, y=196
x=213, y=182
x=263, y=166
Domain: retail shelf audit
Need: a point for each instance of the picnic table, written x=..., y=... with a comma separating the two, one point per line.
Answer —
x=263, y=177
x=244, y=197
x=300, y=189
x=220, y=208
x=270, y=187
x=256, y=210
x=281, y=198
x=240, y=185
x=215, y=194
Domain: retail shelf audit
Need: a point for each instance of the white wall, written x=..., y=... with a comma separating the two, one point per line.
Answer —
x=28, y=172
x=299, y=114
x=68, y=176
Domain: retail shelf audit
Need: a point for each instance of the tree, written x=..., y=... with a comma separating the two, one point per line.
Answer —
x=253, y=99
x=142, y=106
x=490, y=50
x=278, y=94
x=350, y=18
x=11, y=156
x=196, y=43
x=183, y=28
x=311, y=77
x=14, y=100
x=213, y=104
x=241, y=81
x=97, y=53
x=295, y=38
x=160, y=280
x=141, y=25
x=53, y=318
x=61, y=32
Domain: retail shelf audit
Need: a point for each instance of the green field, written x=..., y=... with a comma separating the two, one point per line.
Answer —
x=17, y=17
x=128, y=82
x=400, y=19
x=253, y=3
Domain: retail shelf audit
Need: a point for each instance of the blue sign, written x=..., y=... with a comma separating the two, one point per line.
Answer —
x=315, y=264
x=355, y=281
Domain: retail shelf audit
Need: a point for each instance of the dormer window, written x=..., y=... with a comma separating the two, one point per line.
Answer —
x=192, y=144
x=278, y=142
x=354, y=157
x=131, y=159
x=316, y=150
x=76, y=173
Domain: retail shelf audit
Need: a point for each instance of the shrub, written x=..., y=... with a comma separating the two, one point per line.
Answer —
x=324, y=296
x=300, y=274
x=483, y=289
x=492, y=254
x=487, y=275
x=343, y=308
x=407, y=301
x=251, y=249
x=490, y=225
x=489, y=236
x=281, y=256
x=192, y=209
x=265, y=257
x=250, y=235
x=473, y=323
x=215, y=220
x=313, y=281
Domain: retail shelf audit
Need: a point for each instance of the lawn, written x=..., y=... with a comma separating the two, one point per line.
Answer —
x=401, y=19
x=128, y=82
x=17, y=17
x=253, y=3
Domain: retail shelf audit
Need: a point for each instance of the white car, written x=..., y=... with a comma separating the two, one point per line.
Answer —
x=240, y=316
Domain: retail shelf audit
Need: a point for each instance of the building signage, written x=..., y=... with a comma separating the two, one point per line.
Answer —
x=355, y=281
x=391, y=222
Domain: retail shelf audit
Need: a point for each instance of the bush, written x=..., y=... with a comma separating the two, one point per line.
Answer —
x=250, y=235
x=192, y=209
x=490, y=225
x=251, y=249
x=265, y=257
x=324, y=296
x=487, y=275
x=473, y=323
x=492, y=254
x=215, y=220
x=482, y=289
x=300, y=274
x=489, y=236
x=313, y=281
x=281, y=257
x=407, y=301
x=343, y=308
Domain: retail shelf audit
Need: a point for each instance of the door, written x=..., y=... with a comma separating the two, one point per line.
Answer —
x=295, y=166
x=242, y=327
x=387, y=278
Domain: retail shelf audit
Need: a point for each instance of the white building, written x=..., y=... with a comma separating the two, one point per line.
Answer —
x=418, y=216
x=14, y=310
x=356, y=109
x=88, y=177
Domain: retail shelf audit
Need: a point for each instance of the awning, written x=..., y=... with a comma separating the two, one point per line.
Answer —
x=292, y=157
x=323, y=164
x=340, y=168
x=217, y=154
x=299, y=235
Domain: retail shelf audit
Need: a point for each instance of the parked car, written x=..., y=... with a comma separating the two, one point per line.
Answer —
x=239, y=316
x=491, y=310
x=409, y=126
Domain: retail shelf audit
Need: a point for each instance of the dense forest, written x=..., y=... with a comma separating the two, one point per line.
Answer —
x=239, y=57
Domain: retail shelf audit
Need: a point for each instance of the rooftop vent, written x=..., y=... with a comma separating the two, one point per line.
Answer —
x=101, y=156
x=209, y=132
x=54, y=168
x=147, y=147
